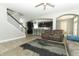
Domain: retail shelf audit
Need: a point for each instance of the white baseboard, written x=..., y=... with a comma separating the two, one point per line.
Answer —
x=6, y=40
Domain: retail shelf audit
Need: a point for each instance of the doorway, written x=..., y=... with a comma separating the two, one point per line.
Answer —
x=69, y=23
x=30, y=27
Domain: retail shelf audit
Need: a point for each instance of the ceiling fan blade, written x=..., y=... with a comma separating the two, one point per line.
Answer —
x=39, y=4
x=50, y=4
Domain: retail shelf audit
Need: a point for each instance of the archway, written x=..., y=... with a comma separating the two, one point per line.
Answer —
x=69, y=23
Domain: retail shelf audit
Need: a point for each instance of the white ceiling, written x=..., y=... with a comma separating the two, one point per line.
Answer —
x=27, y=7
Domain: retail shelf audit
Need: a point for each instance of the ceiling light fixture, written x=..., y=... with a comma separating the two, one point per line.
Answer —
x=45, y=5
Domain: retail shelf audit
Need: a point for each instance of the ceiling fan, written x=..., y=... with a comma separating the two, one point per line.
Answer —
x=45, y=5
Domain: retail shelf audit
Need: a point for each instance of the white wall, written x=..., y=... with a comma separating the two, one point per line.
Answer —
x=7, y=30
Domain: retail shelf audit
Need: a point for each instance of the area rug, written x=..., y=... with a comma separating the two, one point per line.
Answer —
x=44, y=48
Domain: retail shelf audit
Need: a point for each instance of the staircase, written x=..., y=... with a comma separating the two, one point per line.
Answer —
x=16, y=18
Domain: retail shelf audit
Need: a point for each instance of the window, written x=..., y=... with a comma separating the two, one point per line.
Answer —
x=75, y=26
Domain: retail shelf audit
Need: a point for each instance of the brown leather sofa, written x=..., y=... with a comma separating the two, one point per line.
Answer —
x=55, y=35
